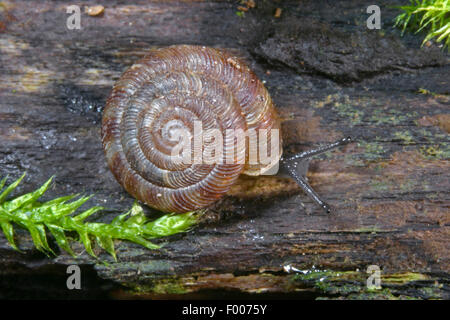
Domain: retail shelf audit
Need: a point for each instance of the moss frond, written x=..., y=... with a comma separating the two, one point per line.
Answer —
x=59, y=216
x=431, y=16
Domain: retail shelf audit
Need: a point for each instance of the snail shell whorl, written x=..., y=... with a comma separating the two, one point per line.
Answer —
x=171, y=88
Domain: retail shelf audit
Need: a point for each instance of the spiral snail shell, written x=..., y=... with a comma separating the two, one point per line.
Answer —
x=170, y=89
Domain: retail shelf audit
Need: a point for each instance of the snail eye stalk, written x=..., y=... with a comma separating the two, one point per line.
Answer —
x=291, y=163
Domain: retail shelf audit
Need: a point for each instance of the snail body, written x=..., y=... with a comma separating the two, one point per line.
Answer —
x=169, y=90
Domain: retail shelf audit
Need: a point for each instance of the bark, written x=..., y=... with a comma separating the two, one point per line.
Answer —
x=329, y=76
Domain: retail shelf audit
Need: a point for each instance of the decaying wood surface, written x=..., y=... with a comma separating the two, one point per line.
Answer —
x=329, y=77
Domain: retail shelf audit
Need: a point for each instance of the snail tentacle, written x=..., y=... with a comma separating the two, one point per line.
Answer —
x=290, y=165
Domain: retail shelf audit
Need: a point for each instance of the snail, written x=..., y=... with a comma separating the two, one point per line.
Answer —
x=159, y=102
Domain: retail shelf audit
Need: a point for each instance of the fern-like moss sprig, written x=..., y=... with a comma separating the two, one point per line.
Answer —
x=430, y=15
x=58, y=217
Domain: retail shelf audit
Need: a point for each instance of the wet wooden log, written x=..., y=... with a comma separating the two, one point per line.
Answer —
x=329, y=77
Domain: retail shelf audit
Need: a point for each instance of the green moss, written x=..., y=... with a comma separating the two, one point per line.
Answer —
x=390, y=116
x=441, y=151
x=312, y=275
x=372, y=150
x=331, y=282
x=431, y=16
x=60, y=215
x=403, y=278
x=384, y=294
x=346, y=110
x=163, y=286
x=425, y=92
x=328, y=275
x=353, y=284
x=328, y=283
x=169, y=287
x=404, y=136
x=431, y=292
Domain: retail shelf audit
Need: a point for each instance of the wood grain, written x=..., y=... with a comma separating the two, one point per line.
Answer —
x=389, y=190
